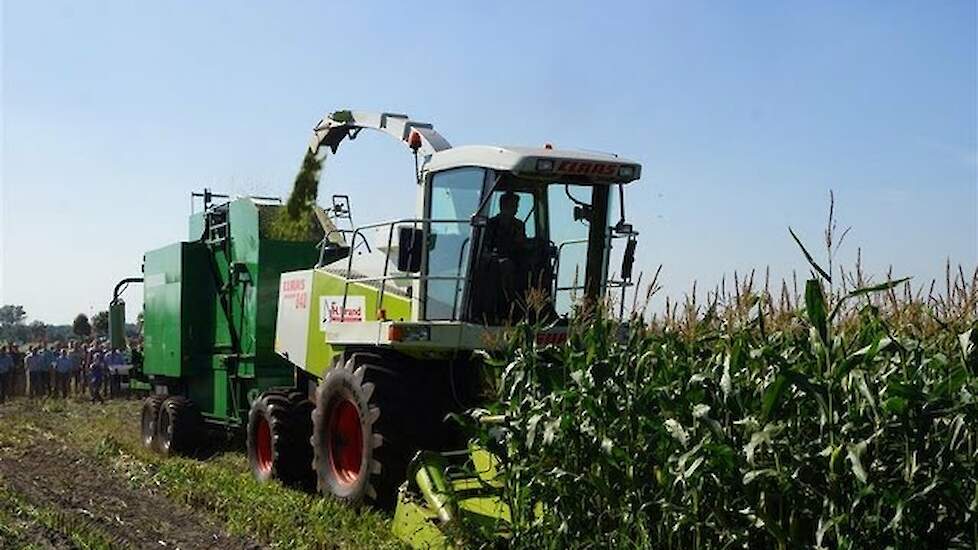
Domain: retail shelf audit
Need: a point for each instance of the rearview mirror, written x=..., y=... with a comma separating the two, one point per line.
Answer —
x=409, y=243
x=628, y=260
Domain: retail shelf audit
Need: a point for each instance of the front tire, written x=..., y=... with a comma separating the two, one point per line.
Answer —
x=357, y=422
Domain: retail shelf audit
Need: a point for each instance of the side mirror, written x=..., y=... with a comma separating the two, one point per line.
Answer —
x=479, y=221
x=582, y=212
x=628, y=260
x=409, y=243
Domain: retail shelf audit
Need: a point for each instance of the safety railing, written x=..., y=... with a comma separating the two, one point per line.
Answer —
x=460, y=277
x=609, y=284
x=382, y=280
x=560, y=250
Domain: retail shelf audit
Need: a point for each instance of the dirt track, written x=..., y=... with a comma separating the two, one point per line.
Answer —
x=35, y=536
x=83, y=493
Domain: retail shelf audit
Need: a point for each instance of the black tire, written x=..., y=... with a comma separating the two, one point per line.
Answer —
x=278, y=446
x=363, y=398
x=305, y=475
x=147, y=420
x=178, y=426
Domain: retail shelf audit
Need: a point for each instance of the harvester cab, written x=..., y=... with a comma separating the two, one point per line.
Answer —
x=499, y=235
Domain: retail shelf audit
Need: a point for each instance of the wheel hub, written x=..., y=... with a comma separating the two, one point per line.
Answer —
x=164, y=429
x=264, y=447
x=345, y=439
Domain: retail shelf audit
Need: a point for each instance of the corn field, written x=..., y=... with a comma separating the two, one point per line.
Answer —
x=843, y=417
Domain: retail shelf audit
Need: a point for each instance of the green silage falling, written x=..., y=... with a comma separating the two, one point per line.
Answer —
x=293, y=221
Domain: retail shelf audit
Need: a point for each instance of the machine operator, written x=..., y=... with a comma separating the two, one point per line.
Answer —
x=505, y=233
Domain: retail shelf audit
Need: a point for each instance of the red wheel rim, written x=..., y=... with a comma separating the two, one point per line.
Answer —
x=345, y=440
x=264, y=447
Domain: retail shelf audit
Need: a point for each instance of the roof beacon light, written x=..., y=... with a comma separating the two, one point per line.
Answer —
x=414, y=142
x=545, y=165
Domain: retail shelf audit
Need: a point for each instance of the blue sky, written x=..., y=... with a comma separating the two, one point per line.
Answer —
x=744, y=115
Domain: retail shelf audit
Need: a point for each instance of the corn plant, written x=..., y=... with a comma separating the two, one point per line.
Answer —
x=848, y=421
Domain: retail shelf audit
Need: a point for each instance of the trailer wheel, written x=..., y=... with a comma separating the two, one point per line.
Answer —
x=147, y=420
x=357, y=419
x=178, y=426
x=277, y=443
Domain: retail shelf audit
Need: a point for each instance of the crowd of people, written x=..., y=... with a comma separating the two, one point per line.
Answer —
x=60, y=371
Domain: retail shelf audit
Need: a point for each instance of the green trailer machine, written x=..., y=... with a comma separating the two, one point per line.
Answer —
x=342, y=354
x=209, y=321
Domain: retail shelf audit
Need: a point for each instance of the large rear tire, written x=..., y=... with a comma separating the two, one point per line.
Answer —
x=147, y=421
x=278, y=444
x=178, y=426
x=358, y=435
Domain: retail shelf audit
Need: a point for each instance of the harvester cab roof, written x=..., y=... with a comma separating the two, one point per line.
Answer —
x=541, y=164
x=493, y=226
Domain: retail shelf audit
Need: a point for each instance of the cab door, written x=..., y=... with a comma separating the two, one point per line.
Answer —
x=453, y=198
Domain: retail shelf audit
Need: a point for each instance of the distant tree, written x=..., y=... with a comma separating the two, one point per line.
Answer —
x=11, y=315
x=16, y=333
x=59, y=333
x=81, y=327
x=100, y=322
x=38, y=330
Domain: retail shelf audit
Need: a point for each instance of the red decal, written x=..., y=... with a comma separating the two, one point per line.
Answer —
x=587, y=168
x=293, y=284
x=353, y=314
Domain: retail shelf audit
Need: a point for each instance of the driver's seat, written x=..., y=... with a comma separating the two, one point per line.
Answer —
x=501, y=285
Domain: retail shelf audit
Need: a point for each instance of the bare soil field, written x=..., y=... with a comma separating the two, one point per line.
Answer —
x=73, y=475
x=61, y=478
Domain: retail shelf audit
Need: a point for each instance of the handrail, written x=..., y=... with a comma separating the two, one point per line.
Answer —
x=458, y=269
x=426, y=232
x=324, y=242
x=560, y=249
x=608, y=284
x=390, y=241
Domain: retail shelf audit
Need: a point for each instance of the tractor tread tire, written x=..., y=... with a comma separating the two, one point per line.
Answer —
x=384, y=413
x=290, y=452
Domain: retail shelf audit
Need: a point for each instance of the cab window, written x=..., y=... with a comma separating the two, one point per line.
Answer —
x=527, y=211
